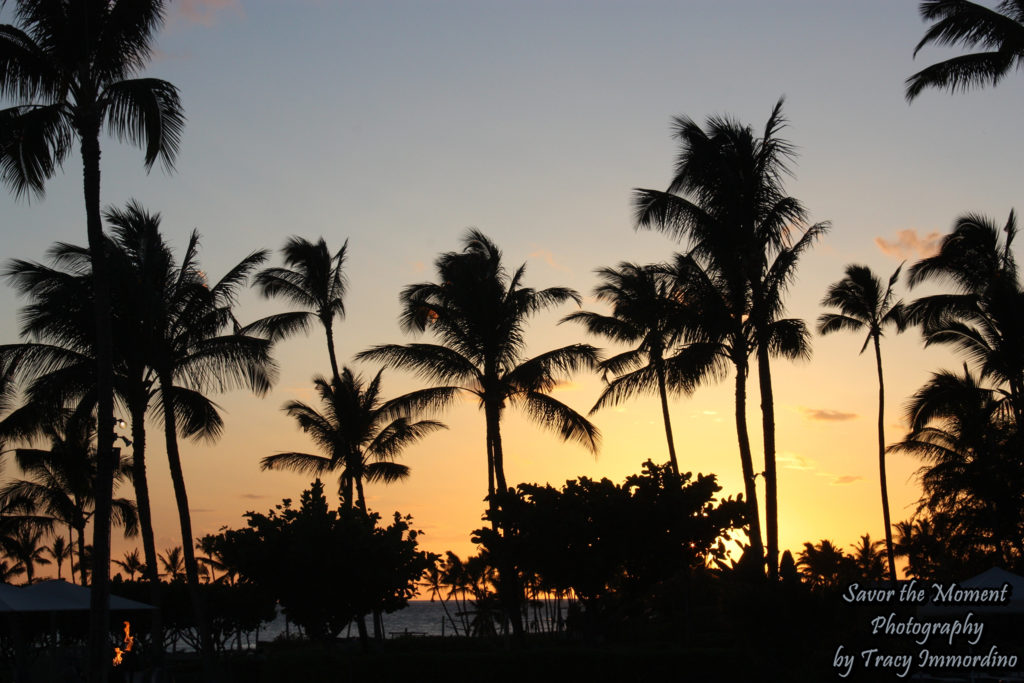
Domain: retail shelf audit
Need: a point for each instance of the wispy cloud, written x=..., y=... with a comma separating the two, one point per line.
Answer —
x=251, y=496
x=828, y=415
x=549, y=259
x=909, y=244
x=792, y=461
x=206, y=12
x=846, y=479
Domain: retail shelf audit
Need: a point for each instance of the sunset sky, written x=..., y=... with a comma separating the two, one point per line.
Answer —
x=398, y=125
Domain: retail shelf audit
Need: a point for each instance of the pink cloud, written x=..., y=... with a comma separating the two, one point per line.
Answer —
x=909, y=244
x=828, y=415
x=845, y=479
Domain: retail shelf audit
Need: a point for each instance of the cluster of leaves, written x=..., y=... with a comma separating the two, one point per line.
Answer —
x=325, y=567
x=597, y=537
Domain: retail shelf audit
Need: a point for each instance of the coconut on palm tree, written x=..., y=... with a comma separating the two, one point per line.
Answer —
x=360, y=433
x=71, y=67
x=864, y=306
x=728, y=201
x=998, y=32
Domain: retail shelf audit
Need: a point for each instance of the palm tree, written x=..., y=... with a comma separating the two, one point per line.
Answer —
x=361, y=434
x=981, y=319
x=864, y=305
x=60, y=550
x=71, y=66
x=479, y=312
x=728, y=201
x=313, y=279
x=973, y=477
x=131, y=564
x=62, y=479
x=999, y=32
x=173, y=564
x=644, y=310
x=868, y=558
x=26, y=549
x=824, y=566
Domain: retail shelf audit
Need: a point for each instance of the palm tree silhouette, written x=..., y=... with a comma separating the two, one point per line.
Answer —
x=728, y=201
x=360, y=432
x=173, y=564
x=999, y=32
x=644, y=310
x=72, y=65
x=479, y=312
x=26, y=549
x=313, y=279
x=864, y=305
x=981, y=319
x=131, y=564
x=869, y=559
x=60, y=549
x=973, y=477
x=62, y=479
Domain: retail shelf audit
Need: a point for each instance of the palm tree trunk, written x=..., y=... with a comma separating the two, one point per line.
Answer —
x=660, y=369
x=494, y=428
x=771, y=491
x=138, y=415
x=881, y=464
x=71, y=541
x=99, y=604
x=360, y=498
x=185, y=520
x=746, y=459
x=329, y=329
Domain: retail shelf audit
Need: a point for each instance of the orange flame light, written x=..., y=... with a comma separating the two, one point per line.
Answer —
x=128, y=642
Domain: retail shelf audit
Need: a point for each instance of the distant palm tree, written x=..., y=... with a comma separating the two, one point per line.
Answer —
x=479, y=311
x=313, y=279
x=131, y=564
x=360, y=432
x=9, y=571
x=869, y=558
x=999, y=32
x=60, y=550
x=173, y=564
x=26, y=548
x=824, y=566
x=864, y=305
x=644, y=311
x=71, y=66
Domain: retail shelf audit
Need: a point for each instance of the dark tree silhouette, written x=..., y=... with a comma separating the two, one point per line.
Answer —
x=70, y=65
x=360, y=433
x=727, y=200
x=864, y=305
x=999, y=32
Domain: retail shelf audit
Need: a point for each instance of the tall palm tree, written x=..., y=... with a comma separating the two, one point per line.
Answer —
x=71, y=66
x=479, y=311
x=998, y=31
x=645, y=310
x=361, y=434
x=313, y=279
x=727, y=200
x=981, y=318
x=865, y=306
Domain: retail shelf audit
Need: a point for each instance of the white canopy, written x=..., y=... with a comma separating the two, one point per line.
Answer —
x=993, y=578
